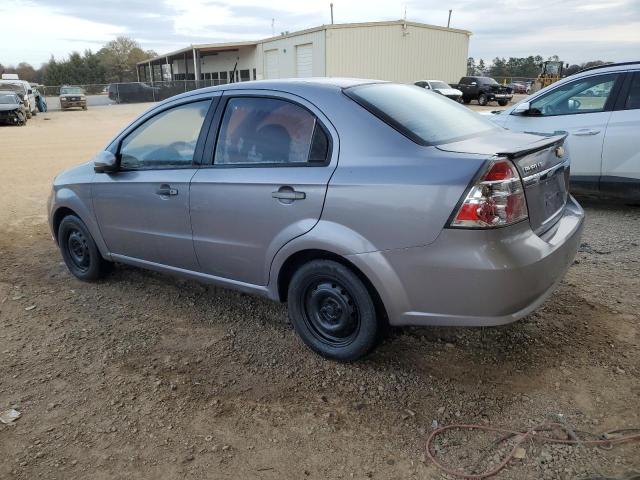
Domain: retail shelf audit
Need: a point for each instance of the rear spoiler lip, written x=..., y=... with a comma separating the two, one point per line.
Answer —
x=543, y=143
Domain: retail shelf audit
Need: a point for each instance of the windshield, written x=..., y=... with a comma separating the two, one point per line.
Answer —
x=439, y=85
x=425, y=117
x=71, y=90
x=7, y=99
x=487, y=81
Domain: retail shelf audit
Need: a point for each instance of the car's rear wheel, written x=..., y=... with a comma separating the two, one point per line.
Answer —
x=466, y=100
x=79, y=250
x=332, y=310
x=483, y=100
x=503, y=103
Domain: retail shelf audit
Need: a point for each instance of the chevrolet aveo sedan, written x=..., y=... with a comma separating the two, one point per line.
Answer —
x=359, y=203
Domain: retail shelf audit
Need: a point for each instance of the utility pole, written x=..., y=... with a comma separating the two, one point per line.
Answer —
x=273, y=30
x=449, y=21
x=331, y=6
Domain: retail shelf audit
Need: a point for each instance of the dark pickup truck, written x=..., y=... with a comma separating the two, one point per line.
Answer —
x=484, y=90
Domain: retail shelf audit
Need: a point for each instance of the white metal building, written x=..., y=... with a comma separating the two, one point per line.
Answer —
x=399, y=51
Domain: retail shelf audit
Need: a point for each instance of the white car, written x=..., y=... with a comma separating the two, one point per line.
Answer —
x=32, y=108
x=600, y=110
x=440, y=87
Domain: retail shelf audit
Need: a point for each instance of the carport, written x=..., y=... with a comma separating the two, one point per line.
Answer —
x=211, y=64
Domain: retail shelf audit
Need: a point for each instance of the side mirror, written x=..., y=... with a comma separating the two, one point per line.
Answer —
x=105, y=162
x=522, y=109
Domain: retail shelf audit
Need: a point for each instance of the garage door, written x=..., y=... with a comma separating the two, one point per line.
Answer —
x=271, y=64
x=304, y=60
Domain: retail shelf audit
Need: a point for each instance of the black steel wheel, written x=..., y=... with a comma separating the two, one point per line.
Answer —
x=482, y=99
x=332, y=310
x=79, y=250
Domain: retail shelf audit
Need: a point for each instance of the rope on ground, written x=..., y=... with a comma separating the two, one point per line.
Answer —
x=605, y=440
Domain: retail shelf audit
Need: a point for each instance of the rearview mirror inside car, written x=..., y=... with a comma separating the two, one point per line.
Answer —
x=105, y=162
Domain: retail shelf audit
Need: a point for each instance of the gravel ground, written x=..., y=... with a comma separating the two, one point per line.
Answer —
x=148, y=376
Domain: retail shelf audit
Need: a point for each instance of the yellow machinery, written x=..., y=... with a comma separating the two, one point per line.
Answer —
x=551, y=72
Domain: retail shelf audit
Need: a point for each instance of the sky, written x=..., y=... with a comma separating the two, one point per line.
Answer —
x=576, y=30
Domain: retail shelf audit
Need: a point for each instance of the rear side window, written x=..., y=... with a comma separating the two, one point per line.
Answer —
x=269, y=131
x=425, y=117
x=633, y=98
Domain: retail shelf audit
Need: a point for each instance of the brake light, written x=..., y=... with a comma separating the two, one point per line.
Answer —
x=497, y=199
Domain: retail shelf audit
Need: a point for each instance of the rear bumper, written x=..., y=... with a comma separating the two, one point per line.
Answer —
x=474, y=277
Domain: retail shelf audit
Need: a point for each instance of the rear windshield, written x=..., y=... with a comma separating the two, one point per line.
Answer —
x=439, y=85
x=425, y=117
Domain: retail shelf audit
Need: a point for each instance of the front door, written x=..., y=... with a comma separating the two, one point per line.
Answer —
x=266, y=185
x=143, y=209
x=582, y=108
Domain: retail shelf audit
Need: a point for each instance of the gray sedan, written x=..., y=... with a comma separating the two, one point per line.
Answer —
x=359, y=203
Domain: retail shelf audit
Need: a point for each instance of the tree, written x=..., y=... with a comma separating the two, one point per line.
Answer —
x=481, y=68
x=471, y=66
x=119, y=58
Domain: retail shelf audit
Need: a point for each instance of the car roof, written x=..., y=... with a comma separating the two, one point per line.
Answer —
x=298, y=86
x=612, y=66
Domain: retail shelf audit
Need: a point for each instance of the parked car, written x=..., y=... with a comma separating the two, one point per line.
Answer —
x=519, y=87
x=12, y=109
x=26, y=92
x=600, y=110
x=484, y=90
x=442, y=88
x=132, y=92
x=271, y=192
x=72, y=97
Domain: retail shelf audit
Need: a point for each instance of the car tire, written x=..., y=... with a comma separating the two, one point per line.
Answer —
x=466, y=100
x=482, y=100
x=84, y=107
x=332, y=310
x=79, y=250
x=503, y=103
x=29, y=114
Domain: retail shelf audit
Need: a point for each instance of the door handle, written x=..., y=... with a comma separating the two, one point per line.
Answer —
x=166, y=191
x=585, y=132
x=288, y=193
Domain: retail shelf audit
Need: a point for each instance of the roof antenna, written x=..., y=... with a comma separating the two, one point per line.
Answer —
x=273, y=29
x=331, y=6
x=449, y=21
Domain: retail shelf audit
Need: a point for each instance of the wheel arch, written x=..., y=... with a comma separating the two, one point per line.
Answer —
x=301, y=257
x=58, y=216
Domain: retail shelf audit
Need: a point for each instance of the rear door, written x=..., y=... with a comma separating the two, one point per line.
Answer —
x=270, y=162
x=621, y=151
x=581, y=108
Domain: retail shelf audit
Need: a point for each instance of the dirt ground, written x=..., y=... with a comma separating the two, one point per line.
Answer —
x=147, y=376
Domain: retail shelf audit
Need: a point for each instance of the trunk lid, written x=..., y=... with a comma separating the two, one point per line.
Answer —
x=543, y=166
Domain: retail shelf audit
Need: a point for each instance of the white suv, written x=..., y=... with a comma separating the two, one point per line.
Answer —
x=600, y=109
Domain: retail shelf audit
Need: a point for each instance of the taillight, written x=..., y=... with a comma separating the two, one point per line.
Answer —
x=497, y=199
